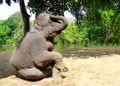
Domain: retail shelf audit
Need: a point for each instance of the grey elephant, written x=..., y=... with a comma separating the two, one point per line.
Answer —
x=33, y=57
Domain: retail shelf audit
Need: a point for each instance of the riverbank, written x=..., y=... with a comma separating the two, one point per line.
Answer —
x=87, y=67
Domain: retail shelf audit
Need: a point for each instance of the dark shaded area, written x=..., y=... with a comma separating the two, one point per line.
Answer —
x=6, y=70
x=90, y=51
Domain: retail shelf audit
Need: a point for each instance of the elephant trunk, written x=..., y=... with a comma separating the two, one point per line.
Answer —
x=61, y=20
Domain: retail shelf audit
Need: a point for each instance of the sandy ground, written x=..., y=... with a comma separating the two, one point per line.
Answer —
x=90, y=69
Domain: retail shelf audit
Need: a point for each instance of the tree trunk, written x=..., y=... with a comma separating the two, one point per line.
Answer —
x=25, y=16
x=112, y=23
x=111, y=28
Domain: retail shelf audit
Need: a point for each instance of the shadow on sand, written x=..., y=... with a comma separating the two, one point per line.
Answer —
x=5, y=68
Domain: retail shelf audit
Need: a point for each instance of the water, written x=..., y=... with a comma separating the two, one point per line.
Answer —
x=6, y=48
x=67, y=46
x=57, y=47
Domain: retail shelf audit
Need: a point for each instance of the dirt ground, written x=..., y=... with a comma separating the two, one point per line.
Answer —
x=87, y=67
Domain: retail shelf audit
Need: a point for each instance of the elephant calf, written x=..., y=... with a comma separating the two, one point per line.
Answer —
x=34, y=57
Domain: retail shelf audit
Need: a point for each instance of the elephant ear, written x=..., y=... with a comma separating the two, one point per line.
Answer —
x=43, y=19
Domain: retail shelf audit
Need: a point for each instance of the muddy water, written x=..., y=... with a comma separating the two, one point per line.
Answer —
x=84, y=52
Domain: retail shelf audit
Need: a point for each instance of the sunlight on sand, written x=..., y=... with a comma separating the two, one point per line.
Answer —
x=99, y=71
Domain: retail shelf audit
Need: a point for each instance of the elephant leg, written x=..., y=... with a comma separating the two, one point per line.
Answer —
x=59, y=64
x=32, y=73
x=52, y=56
x=56, y=75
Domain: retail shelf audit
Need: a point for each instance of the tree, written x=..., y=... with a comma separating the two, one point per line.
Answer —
x=55, y=6
x=11, y=29
x=114, y=18
x=24, y=13
x=100, y=25
x=7, y=1
x=25, y=16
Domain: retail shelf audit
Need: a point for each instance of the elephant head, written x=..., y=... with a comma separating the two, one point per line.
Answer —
x=50, y=25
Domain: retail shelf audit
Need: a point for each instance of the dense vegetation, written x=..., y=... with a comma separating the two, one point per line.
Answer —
x=99, y=26
x=11, y=30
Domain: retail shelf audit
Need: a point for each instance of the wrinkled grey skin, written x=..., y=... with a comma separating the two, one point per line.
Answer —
x=34, y=56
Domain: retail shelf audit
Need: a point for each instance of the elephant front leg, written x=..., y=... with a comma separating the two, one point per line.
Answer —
x=52, y=56
x=59, y=64
x=56, y=76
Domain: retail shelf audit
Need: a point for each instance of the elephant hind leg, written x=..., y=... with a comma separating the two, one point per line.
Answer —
x=32, y=74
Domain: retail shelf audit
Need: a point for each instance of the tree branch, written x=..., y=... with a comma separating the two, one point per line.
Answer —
x=25, y=16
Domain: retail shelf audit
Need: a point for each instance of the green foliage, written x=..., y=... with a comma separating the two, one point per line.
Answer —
x=101, y=26
x=73, y=34
x=4, y=31
x=89, y=33
x=102, y=22
x=71, y=29
x=11, y=30
x=106, y=17
x=67, y=36
x=56, y=6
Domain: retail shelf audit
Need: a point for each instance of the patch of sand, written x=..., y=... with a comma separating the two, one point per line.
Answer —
x=92, y=71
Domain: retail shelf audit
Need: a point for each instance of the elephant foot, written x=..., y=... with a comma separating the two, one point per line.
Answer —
x=57, y=78
x=61, y=67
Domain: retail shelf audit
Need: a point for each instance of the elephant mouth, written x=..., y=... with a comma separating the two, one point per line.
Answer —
x=52, y=35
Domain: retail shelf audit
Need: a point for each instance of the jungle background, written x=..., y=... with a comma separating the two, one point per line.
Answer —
x=96, y=30
x=97, y=22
